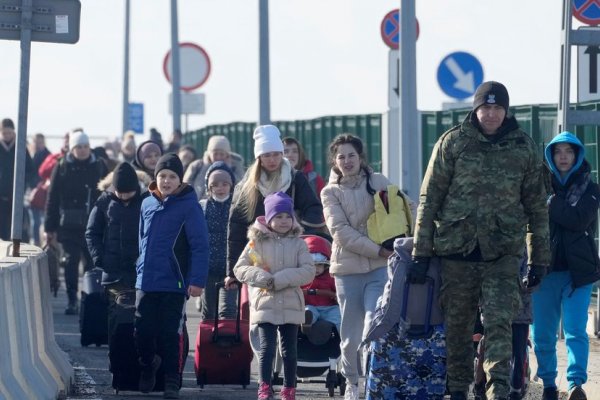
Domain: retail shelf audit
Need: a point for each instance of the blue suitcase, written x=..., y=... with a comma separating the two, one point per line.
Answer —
x=409, y=363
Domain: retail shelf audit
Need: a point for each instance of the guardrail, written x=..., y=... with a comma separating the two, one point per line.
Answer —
x=32, y=366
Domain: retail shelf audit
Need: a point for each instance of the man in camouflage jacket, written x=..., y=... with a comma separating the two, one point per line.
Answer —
x=482, y=196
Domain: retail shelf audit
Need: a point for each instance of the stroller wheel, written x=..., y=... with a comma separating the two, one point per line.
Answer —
x=341, y=383
x=331, y=382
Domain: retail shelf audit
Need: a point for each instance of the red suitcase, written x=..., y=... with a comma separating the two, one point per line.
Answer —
x=223, y=354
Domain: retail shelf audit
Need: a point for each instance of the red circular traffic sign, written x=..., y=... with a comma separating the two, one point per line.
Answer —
x=390, y=29
x=587, y=11
x=194, y=66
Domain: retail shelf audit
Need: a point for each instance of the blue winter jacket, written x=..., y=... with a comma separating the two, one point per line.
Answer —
x=161, y=221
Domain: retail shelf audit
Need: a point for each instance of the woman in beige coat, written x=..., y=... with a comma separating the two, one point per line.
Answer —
x=274, y=264
x=357, y=263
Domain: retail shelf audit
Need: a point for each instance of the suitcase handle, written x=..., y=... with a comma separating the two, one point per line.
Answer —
x=416, y=333
x=238, y=337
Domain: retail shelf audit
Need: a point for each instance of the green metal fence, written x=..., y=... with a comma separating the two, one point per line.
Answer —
x=316, y=134
x=537, y=120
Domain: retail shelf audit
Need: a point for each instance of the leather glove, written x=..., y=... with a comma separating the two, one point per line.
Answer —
x=417, y=270
x=535, y=274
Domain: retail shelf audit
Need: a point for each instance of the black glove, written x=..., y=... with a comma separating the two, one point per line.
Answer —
x=417, y=270
x=535, y=274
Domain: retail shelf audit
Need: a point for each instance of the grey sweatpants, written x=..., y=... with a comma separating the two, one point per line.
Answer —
x=357, y=296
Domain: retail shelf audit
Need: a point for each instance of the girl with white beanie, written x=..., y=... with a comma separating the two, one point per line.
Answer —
x=269, y=173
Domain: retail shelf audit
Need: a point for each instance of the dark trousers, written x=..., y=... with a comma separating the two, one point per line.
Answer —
x=159, y=318
x=227, y=299
x=268, y=346
x=74, y=251
x=520, y=334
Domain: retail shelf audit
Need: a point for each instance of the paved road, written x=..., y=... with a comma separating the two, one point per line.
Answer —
x=93, y=380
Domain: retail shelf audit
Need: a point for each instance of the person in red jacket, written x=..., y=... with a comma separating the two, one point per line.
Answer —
x=319, y=295
x=296, y=155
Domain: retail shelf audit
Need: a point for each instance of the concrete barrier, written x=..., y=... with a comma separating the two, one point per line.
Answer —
x=32, y=365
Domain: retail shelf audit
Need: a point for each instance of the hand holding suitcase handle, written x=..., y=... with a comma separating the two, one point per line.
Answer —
x=413, y=332
x=417, y=270
x=238, y=337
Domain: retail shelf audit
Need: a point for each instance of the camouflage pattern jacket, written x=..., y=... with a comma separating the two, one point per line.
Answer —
x=486, y=193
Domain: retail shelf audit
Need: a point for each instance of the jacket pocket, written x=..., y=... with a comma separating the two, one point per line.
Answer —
x=450, y=237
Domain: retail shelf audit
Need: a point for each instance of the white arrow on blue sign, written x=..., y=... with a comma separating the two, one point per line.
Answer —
x=459, y=74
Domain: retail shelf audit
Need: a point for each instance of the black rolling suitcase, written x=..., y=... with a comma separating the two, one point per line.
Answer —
x=93, y=313
x=122, y=353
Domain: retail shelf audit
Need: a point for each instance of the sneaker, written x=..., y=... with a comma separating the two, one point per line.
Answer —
x=577, y=393
x=351, y=392
x=458, y=396
x=148, y=375
x=288, y=393
x=265, y=391
x=550, y=393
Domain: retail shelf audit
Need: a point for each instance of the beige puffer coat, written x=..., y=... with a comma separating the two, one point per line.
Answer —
x=347, y=206
x=275, y=295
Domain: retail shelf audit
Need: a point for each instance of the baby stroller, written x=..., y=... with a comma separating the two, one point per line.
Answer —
x=318, y=353
x=318, y=346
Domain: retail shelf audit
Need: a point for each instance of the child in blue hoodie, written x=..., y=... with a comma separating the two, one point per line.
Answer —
x=574, y=265
x=171, y=211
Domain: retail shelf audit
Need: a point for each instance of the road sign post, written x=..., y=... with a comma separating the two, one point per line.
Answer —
x=459, y=74
x=55, y=21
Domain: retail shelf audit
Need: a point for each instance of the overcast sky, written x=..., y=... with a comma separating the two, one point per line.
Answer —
x=327, y=58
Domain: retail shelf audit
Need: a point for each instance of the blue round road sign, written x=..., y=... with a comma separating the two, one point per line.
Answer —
x=587, y=11
x=459, y=74
x=390, y=29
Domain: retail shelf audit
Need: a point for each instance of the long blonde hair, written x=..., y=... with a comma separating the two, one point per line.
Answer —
x=249, y=195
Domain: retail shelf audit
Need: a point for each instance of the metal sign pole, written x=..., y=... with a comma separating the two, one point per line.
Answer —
x=21, y=137
x=263, y=50
x=175, y=79
x=562, y=121
x=409, y=133
x=125, y=122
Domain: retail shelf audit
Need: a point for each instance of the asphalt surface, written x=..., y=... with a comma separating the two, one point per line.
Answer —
x=93, y=380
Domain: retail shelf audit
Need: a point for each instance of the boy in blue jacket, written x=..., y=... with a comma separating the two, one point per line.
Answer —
x=162, y=283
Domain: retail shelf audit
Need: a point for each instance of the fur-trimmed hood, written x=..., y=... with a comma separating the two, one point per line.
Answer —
x=260, y=231
x=106, y=182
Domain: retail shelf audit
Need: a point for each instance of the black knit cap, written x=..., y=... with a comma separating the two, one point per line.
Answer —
x=171, y=162
x=491, y=92
x=125, y=179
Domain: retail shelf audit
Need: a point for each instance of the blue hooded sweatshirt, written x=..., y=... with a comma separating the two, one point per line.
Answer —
x=564, y=137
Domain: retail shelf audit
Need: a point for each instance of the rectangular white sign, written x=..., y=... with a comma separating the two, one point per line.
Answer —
x=191, y=103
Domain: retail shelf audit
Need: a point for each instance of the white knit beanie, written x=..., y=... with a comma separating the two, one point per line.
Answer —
x=218, y=142
x=267, y=139
x=78, y=138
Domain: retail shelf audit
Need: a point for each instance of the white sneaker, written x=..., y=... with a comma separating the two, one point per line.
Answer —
x=351, y=392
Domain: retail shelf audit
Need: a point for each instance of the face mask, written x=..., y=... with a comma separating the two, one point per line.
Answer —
x=220, y=199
